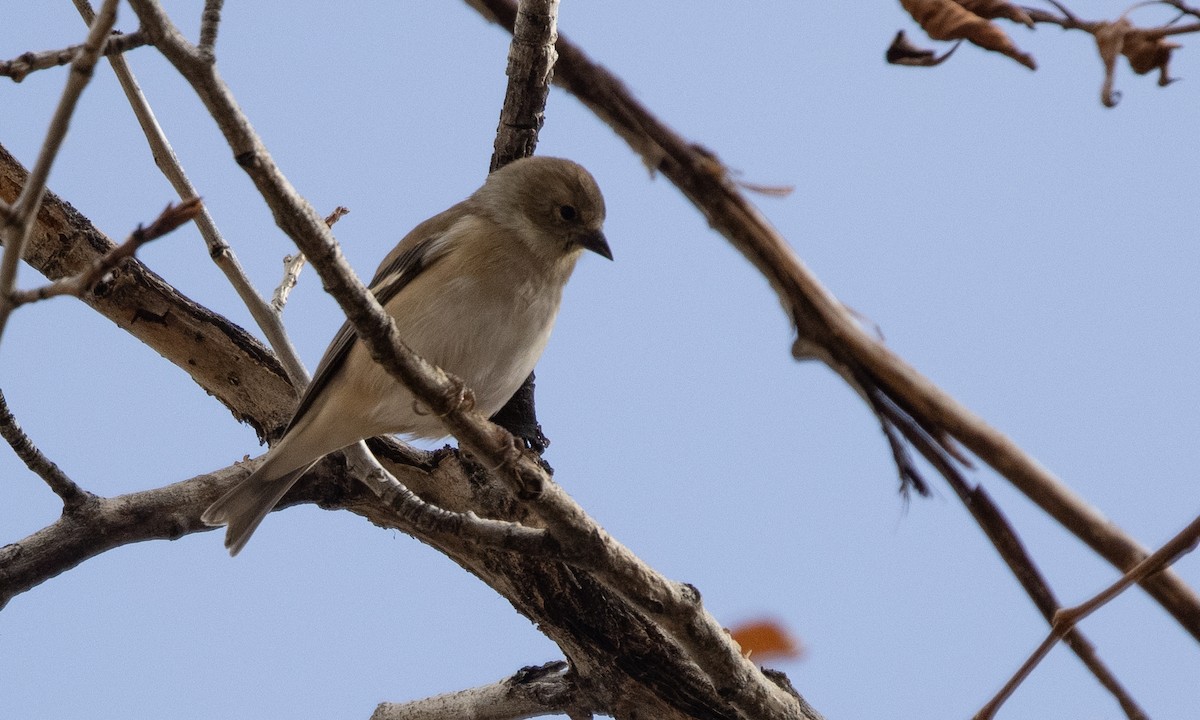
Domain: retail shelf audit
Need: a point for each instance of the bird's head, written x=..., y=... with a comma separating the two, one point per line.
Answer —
x=553, y=204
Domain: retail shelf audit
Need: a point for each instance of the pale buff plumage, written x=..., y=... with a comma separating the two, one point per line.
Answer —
x=474, y=290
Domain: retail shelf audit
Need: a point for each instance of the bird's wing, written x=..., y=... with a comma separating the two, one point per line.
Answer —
x=420, y=249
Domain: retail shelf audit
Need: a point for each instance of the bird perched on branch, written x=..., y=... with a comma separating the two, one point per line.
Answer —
x=474, y=290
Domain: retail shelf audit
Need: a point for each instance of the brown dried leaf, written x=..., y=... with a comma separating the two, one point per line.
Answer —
x=765, y=639
x=947, y=20
x=903, y=52
x=1110, y=40
x=992, y=9
x=1148, y=50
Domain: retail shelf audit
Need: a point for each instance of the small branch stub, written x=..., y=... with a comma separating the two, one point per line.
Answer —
x=170, y=219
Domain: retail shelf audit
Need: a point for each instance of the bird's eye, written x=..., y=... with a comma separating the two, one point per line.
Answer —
x=568, y=212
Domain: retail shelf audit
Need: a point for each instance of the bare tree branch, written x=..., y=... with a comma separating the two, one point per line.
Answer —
x=170, y=219
x=16, y=227
x=19, y=67
x=675, y=606
x=101, y=524
x=531, y=58
x=1066, y=619
x=1004, y=538
x=293, y=264
x=831, y=331
x=739, y=680
x=93, y=525
x=531, y=692
x=210, y=21
x=225, y=360
x=218, y=249
x=64, y=487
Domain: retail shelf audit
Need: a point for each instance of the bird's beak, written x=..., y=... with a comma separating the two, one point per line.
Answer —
x=595, y=241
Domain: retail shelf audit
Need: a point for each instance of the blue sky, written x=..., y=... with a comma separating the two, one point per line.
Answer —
x=1032, y=252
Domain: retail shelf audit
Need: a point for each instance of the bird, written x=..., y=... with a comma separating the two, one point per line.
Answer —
x=474, y=289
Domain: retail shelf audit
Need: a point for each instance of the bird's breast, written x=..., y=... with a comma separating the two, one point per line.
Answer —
x=490, y=337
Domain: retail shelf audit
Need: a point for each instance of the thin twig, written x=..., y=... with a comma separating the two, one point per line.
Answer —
x=293, y=264
x=20, y=67
x=19, y=222
x=1004, y=538
x=1066, y=619
x=219, y=250
x=1183, y=7
x=210, y=22
x=989, y=710
x=170, y=219
x=1182, y=544
x=64, y=487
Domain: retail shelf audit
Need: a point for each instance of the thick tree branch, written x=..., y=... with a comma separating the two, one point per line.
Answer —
x=828, y=330
x=675, y=606
x=92, y=525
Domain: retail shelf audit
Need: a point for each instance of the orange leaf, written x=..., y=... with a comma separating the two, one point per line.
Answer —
x=764, y=639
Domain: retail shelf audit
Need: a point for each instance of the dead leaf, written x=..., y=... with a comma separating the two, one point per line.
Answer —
x=992, y=9
x=1110, y=40
x=1145, y=49
x=766, y=639
x=1148, y=50
x=948, y=20
x=903, y=52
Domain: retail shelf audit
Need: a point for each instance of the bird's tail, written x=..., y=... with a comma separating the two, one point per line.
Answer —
x=244, y=507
